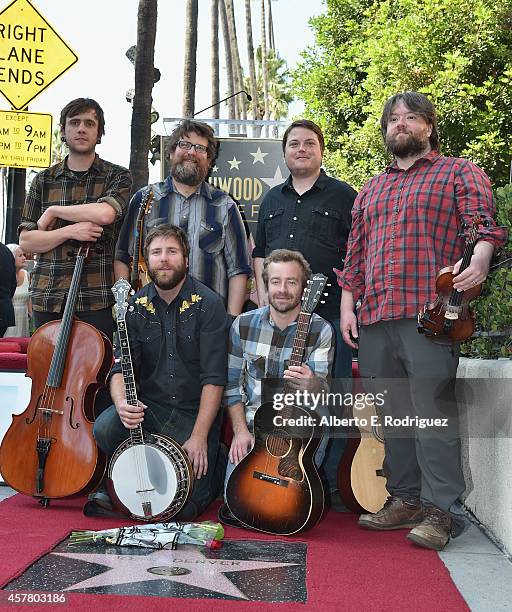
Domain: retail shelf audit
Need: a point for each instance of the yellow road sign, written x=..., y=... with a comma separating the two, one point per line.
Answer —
x=25, y=139
x=32, y=54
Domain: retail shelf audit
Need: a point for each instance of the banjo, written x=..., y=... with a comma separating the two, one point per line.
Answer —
x=150, y=476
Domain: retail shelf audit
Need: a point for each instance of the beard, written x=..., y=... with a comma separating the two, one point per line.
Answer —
x=406, y=147
x=284, y=307
x=169, y=278
x=188, y=171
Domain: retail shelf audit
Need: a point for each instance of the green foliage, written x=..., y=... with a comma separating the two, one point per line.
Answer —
x=457, y=52
x=494, y=307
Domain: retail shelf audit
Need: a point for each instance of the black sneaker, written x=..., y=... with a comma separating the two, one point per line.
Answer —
x=226, y=518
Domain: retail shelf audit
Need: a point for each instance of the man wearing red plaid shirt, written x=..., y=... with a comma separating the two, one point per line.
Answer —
x=406, y=226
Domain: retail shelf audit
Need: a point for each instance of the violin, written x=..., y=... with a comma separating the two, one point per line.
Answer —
x=49, y=450
x=139, y=269
x=450, y=319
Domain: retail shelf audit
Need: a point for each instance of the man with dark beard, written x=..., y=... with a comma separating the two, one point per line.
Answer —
x=260, y=347
x=178, y=331
x=406, y=225
x=209, y=217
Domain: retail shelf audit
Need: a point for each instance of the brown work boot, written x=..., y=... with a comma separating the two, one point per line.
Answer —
x=434, y=531
x=396, y=514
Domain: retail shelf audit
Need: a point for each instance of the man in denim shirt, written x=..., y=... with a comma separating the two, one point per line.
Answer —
x=209, y=217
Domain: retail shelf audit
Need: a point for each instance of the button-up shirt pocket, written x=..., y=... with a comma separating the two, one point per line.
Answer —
x=324, y=223
x=211, y=236
x=150, y=338
x=273, y=221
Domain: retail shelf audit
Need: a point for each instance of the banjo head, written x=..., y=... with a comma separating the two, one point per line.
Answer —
x=152, y=480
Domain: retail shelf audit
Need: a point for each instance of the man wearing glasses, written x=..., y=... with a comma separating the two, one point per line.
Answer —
x=210, y=218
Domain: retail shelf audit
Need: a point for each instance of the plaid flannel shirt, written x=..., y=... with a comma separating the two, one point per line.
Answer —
x=406, y=226
x=59, y=186
x=258, y=349
x=212, y=222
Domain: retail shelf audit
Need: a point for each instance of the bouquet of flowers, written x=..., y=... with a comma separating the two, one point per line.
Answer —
x=156, y=535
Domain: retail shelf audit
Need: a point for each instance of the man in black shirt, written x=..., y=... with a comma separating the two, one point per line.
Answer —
x=178, y=332
x=310, y=212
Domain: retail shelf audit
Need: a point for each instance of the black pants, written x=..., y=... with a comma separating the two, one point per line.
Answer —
x=418, y=377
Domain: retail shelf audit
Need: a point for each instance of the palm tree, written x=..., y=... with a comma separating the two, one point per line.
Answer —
x=271, y=41
x=189, y=71
x=250, y=54
x=215, y=57
x=144, y=79
x=232, y=108
x=237, y=66
x=279, y=89
x=263, y=48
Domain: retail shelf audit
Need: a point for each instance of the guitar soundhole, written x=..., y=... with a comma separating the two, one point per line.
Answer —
x=277, y=446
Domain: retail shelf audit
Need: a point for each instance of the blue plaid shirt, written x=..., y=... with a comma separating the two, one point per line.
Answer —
x=258, y=349
x=212, y=222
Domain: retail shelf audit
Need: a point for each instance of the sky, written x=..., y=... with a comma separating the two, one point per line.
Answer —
x=100, y=31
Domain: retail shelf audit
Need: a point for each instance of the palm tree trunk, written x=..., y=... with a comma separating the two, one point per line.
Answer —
x=252, y=66
x=215, y=57
x=232, y=109
x=189, y=71
x=144, y=79
x=264, y=68
x=271, y=41
x=237, y=66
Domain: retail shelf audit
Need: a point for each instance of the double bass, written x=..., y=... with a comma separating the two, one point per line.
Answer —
x=49, y=450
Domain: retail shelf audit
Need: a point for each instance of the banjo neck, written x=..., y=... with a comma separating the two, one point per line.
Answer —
x=136, y=434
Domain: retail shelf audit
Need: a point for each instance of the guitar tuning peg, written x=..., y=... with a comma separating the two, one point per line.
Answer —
x=130, y=308
x=322, y=301
x=328, y=285
x=326, y=294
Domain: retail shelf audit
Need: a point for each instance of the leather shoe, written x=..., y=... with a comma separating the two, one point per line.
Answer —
x=102, y=499
x=434, y=531
x=395, y=514
x=226, y=518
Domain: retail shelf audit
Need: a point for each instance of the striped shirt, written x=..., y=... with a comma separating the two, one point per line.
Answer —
x=212, y=222
x=259, y=350
x=406, y=226
x=51, y=277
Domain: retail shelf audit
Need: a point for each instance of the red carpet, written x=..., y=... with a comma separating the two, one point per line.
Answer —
x=347, y=569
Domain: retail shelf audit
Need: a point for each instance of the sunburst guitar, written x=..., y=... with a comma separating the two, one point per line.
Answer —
x=276, y=487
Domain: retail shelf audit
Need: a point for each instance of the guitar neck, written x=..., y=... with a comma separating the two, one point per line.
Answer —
x=299, y=343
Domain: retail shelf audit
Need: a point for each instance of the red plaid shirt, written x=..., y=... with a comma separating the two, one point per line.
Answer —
x=405, y=228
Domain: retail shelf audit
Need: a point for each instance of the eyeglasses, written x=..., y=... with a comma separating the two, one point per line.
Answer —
x=186, y=146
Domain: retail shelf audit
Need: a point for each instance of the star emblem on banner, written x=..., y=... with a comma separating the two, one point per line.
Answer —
x=234, y=163
x=185, y=566
x=215, y=169
x=258, y=156
x=277, y=179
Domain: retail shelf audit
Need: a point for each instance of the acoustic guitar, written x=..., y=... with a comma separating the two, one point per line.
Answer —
x=276, y=487
x=139, y=269
x=361, y=479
